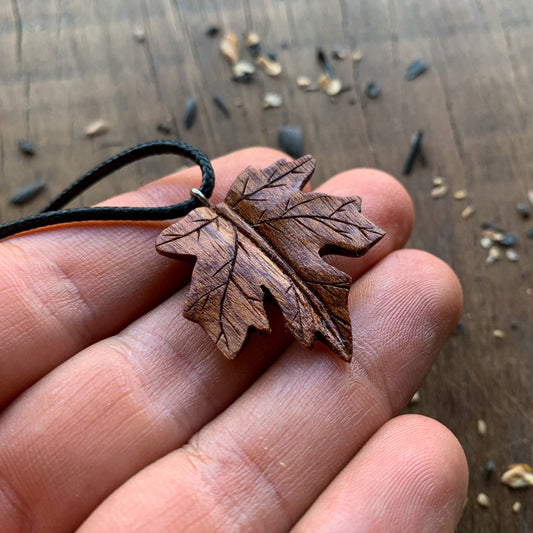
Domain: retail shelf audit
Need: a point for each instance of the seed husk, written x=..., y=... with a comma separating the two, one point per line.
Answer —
x=271, y=67
x=481, y=427
x=212, y=31
x=518, y=476
x=139, y=33
x=415, y=150
x=488, y=469
x=242, y=69
x=27, y=193
x=483, y=500
x=251, y=39
x=26, y=147
x=460, y=194
x=272, y=100
x=338, y=52
x=486, y=242
x=495, y=253
x=162, y=127
x=331, y=87
x=498, y=333
x=414, y=70
x=415, y=398
x=323, y=61
x=303, y=82
x=517, y=506
x=97, y=127
x=372, y=90
x=523, y=210
x=357, y=56
x=439, y=192
x=468, y=211
x=221, y=104
x=530, y=196
x=507, y=239
x=229, y=46
x=437, y=181
x=190, y=112
x=512, y=255
x=290, y=140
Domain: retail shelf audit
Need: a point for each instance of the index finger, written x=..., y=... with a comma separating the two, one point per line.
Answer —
x=65, y=288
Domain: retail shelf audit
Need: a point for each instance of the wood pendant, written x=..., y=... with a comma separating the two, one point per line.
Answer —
x=267, y=237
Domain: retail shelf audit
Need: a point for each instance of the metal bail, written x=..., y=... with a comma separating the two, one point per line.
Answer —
x=199, y=195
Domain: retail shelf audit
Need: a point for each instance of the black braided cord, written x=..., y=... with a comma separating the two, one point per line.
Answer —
x=53, y=214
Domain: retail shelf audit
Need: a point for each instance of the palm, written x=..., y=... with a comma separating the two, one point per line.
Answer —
x=122, y=416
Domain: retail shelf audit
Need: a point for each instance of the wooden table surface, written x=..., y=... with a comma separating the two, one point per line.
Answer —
x=65, y=64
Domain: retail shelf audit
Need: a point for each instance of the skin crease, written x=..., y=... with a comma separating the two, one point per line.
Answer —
x=121, y=415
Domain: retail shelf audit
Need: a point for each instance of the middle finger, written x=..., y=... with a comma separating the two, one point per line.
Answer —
x=130, y=399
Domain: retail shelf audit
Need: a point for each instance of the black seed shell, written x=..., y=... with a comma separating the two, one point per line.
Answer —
x=27, y=193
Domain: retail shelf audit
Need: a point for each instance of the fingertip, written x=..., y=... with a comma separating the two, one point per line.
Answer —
x=384, y=200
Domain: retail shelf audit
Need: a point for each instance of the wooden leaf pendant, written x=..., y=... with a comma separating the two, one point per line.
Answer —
x=268, y=236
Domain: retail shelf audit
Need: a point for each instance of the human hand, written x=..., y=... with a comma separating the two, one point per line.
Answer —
x=120, y=415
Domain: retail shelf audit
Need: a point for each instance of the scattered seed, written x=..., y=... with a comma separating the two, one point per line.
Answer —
x=486, y=242
x=512, y=255
x=530, y=196
x=507, y=239
x=271, y=67
x=324, y=63
x=243, y=69
x=219, y=102
x=438, y=181
x=27, y=193
x=523, y=211
x=492, y=227
x=162, y=127
x=331, y=87
x=139, y=34
x=212, y=31
x=518, y=476
x=26, y=147
x=357, y=56
x=312, y=87
x=98, y=127
x=483, y=500
x=481, y=427
x=529, y=291
x=495, y=253
x=229, y=46
x=190, y=112
x=459, y=328
x=414, y=150
x=460, y=194
x=290, y=140
x=498, y=333
x=415, y=399
x=272, y=100
x=251, y=39
x=529, y=233
x=468, y=211
x=439, y=192
x=488, y=469
x=372, y=90
x=517, y=506
x=414, y=70
x=303, y=82
x=253, y=43
x=338, y=52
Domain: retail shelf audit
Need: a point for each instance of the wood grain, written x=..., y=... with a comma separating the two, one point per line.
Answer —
x=65, y=64
x=266, y=239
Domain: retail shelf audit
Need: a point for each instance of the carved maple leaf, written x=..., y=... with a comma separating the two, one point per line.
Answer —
x=268, y=237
